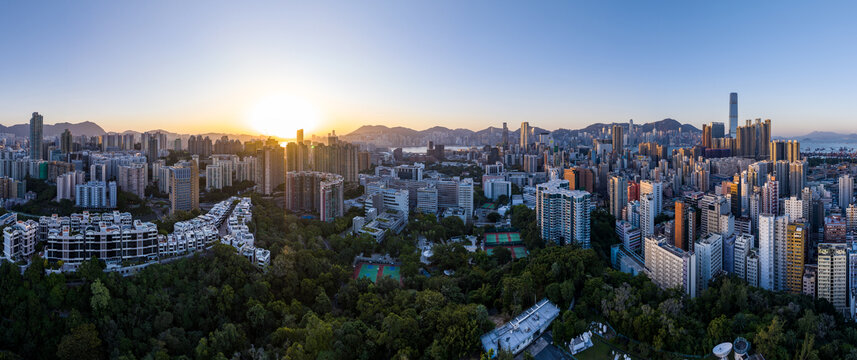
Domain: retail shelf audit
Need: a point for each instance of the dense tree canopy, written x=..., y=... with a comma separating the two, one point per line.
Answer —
x=306, y=306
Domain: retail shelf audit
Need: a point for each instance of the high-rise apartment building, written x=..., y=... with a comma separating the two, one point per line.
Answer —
x=647, y=215
x=184, y=187
x=271, y=168
x=832, y=278
x=36, y=127
x=733, y=114
x=96, y=195
x=656, y=188
x=66, y=142
x=618, y=193
x=67, y=184
x=772, y=251
x=133, y=179
x=795, y=257
x=312, y=191
x=743, y=245
x=669, y=266
x=709, y=259
x=563, y=214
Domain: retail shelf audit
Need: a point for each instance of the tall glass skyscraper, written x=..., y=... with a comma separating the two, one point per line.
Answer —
x=36, y=137
x=733, y=114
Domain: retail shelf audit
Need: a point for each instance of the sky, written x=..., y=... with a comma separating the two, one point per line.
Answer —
x=202, y=66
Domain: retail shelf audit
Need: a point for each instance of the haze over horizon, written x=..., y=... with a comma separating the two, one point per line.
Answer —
x=187, y=68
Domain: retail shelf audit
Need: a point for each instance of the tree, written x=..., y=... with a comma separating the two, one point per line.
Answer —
x=502, y=255
x=100, y=297
x=806, y=352
x=769, y=341
x=453, y=225
x=494, y=217
x=81, y=343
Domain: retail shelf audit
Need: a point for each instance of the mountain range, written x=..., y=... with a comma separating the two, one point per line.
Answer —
x=370, y=130
x=84, y=128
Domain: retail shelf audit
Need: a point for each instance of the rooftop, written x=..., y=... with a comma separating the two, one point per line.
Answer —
x=521, y=330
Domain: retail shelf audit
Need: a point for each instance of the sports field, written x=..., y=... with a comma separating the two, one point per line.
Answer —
x=518, y=251
x=374, y=272
x=503, y=238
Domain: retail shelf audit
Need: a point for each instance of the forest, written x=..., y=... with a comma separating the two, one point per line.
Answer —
x=216, y=305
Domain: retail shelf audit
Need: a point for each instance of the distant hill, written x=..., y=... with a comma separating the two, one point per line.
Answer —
x=84, y=128
x=662, y=125
x=827, y=136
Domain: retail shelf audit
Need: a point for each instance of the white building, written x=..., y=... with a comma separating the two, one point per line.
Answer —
x=427, y=199
x=794, y=208
x=772, y=251
x=832, y=275
x=743, y=245
x=105, y=240
x=96, y=195
x=648, y=211
x=494, y=188
x=465, y=197
x=629, y=235
x=67, y=183
x=656, y=188
x=563, y=214
x=669, y=266
x=19, y=240
x=709, y=259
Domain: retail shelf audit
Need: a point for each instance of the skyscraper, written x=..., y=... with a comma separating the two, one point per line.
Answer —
x=680, y=233
x=505, y=136
x=36, y=124
x=525, y=135
x=66, y=142
x=184, y=187
x=733, y=114
x=647, y=215
x=618, y=140
x=772, y=251
x=846, y=189
x=300, y=136
x=618, y=193
x=795, y=250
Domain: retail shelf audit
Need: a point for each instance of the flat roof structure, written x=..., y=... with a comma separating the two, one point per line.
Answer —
x=517, y=334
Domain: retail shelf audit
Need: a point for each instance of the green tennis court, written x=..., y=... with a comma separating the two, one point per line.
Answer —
x=367, y=271
x=375, y=272
x=504, y=238
x=518, y=252
x=391, y=271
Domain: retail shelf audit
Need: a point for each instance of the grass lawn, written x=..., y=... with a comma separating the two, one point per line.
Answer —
x=598, y=351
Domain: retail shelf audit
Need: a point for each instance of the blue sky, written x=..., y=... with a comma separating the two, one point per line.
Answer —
x=199, y=66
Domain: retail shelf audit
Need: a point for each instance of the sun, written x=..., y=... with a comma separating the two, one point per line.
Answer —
x=282, y=115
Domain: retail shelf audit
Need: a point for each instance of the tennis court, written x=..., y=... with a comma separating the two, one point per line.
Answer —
x=518, y=251
x=391, y=271
x=503, y=238
x=374, y=272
